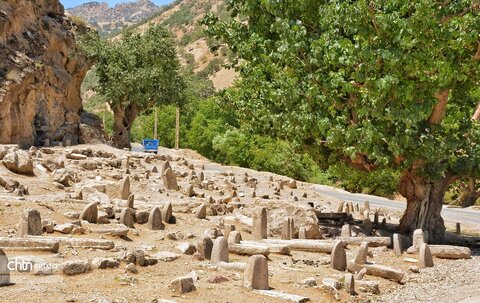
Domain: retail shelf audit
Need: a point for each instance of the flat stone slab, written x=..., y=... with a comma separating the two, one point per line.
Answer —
x=377, y=270
x=282, y=296
x=166, y=256
x=237, y=266
x=248, y=249
x=372, y=241
x=304, y=245
x=30, y=243
x=119, y=230
x=281, y=249
x=450, y=252
x=80, y=242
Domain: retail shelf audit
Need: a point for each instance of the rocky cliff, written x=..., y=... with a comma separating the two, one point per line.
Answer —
x=40, y=75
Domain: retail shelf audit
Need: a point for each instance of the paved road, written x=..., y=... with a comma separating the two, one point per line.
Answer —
x=451, y=214
x=468, y=216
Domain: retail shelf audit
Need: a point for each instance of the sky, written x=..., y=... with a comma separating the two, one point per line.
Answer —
x=72, y=3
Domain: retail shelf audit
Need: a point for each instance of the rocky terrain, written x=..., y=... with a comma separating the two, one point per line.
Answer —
x=96, y=224
x=41, y=72
x=108, y=19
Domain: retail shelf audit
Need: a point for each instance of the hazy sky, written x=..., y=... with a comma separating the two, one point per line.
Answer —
x=72, y=3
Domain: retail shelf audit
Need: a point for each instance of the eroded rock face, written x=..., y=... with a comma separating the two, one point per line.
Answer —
x=41, y=72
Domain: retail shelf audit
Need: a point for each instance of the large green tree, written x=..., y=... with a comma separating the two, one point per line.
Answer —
x=135, y=73
x=383, y=84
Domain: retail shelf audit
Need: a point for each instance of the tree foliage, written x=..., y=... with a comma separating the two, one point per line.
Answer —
x=135, y=73
x=382, y=84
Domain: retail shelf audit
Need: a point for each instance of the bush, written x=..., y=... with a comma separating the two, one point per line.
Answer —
x=382, y=182
x=266, y=154
x=209, y=121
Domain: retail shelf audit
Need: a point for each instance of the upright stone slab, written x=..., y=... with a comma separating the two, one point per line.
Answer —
x=127, y=218
x=234, y=237
x=204, y=247
x=165, y=166
x=30, y=223
x=366, y=205
x=4, y=271
x=340, y=207
x=362, y=253
x=418, y=238
x=256, y=273
x=167, y=213
x=349, y=284
x=425, y=256
x=201, y=176
x=90, y=213
x=375, y=218
x=397, y=244
x=338, y=256
x=346, y=231
x=287, y=226
x=259, y=229
x=302, y=232
x=130, y=201
x=228, y=229
x=367, y=227
x=125, y=188
x=155, y=219
x=220, y=250
x=170, y=180
x=201, y=212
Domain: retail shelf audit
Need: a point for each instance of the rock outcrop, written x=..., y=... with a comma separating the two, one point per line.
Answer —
x=41, y=71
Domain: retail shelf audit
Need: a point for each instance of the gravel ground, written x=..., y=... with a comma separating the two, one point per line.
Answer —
x=453, y=281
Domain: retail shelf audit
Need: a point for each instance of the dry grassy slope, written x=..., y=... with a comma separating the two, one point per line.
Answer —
x=194, y=47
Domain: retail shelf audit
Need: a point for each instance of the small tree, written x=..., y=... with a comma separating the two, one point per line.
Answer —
x=383, y=84
x=135, y=73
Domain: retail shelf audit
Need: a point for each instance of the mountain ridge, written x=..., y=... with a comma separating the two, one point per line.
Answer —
x=109, y=20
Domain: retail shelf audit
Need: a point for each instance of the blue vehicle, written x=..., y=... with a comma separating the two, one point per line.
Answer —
x=150, y=146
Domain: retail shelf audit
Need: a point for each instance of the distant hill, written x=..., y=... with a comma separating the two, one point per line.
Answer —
x=110, y=20
x=194, y=48
x=182, y=18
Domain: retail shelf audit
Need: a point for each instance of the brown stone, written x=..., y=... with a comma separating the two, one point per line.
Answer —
x=425, y=256
x=127, y=217
x=338, y=256
x=259, y=229
x=201, y=212
x=4, y=271
x=155, y=219
x=349, y=284
x=234, y=237
x=220, y=250
x=90, y=213
x=125, y=188
x=170, y=179
x=30, y=223
x=204, y=247
x=167, y=211
x=362, y=253
x=256, y=273
x=182, y=285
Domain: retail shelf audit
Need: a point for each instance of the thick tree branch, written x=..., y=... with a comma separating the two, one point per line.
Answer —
x=361, y=162
x=477, y=54
x=476, y=115
x=438, y=111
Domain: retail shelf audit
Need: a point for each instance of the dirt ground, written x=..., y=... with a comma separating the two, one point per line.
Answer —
x=151, y=283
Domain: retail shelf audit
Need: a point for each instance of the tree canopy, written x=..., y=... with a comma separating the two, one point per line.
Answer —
x=382, y=84
x=135, y=73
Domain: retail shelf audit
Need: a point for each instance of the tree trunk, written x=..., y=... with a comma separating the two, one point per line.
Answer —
x=424, y=205
x=469, y=195
x=124, y=118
